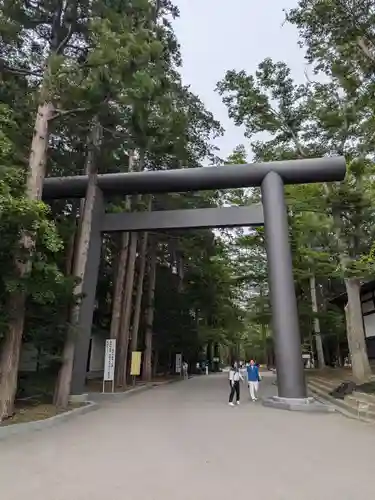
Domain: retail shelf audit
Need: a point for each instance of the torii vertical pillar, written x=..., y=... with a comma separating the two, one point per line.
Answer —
x=291, y=382
x=90, y=278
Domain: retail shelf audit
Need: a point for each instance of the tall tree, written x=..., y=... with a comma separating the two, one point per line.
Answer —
x=307, y=120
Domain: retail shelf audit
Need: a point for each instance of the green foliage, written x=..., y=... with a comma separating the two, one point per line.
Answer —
x=331, y=227
x=45, y=284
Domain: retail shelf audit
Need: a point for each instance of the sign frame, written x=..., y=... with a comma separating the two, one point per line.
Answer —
x=109, y=363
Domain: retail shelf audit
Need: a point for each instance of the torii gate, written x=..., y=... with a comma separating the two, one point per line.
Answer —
x=271, y=177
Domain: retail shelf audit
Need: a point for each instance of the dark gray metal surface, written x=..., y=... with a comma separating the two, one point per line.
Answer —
x=196, y=179
x=184, y=219
x=88, y=301
x=286, y=334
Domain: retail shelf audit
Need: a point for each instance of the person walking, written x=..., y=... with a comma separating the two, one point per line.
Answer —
x=253, y=379
x=234, y=383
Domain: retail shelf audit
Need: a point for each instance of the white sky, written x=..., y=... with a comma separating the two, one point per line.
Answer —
x=218, y=35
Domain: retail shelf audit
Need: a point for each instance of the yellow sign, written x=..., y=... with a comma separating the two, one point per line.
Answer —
x=135, y=369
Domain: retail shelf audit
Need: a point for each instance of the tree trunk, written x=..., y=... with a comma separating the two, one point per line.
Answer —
x=119, y=286
x=318, y=337
x=127, y=302
x=355, y=331
x=38, y=153
x=263, y=327
x=121, y=271
x=147, y=361
x=140, y=283
x=10, y=355
x=353, y=313
x=139, y=293
x=70, y=250
x=11, y=346
x=62, y=389
x=154, y=364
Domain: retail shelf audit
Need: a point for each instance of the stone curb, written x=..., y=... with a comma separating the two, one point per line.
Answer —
x=37, y=425
x=99, y=397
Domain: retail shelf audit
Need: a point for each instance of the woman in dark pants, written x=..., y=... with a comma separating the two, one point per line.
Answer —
x=234, y=383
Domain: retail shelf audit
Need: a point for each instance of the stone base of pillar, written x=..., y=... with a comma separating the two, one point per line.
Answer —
x=297, y=404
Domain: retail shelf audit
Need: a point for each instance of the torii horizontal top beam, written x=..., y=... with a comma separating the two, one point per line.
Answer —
x=197, y=179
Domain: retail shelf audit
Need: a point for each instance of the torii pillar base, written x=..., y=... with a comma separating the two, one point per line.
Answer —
x=309, y=404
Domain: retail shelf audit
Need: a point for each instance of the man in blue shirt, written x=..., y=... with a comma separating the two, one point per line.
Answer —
x=253, y=379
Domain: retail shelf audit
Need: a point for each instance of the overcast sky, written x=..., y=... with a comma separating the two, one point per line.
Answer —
x=218, y=35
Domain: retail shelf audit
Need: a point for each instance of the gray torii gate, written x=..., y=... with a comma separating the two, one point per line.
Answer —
x=271, y=177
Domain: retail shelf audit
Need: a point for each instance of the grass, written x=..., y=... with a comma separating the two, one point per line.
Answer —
x=33, y=410
x=340, y=375
x=330, y=373
x=367, y=388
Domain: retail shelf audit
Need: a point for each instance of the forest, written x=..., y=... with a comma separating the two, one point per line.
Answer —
x=94, y=86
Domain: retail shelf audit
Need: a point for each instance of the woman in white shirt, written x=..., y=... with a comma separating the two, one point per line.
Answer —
x=234, y=383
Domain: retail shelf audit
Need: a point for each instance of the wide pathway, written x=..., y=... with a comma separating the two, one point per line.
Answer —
x=183, y=442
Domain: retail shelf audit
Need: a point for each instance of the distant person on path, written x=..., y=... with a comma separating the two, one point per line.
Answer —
x=234, y=383
x=185, y=367
x=253, y=379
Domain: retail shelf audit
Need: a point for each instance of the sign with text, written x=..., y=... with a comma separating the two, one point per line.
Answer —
x=135, y=369
x=178, y=363
x=109, y=360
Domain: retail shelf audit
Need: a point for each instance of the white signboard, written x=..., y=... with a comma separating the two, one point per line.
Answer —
x=178, y=363
x=109, y=360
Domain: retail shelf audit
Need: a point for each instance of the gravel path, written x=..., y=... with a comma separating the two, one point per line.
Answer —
x=182, y=441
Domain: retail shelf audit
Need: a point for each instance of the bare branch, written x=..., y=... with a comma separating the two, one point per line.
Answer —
x=367, y=48
x=19, y=71
x=305, y=72
x=65, y=40
x=61, y=112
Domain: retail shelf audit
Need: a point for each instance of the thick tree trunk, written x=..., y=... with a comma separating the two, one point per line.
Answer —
x=38, y=153
x=353, y=313
x=147, y=361
x=70, y=250
x=121, y=272
x=127, y=299
x=154, y=364
x=62, y=389
x=127, y=302
x=318, y=337
x=139, y=287
x=10, y=355
x=139, y=292
x=11, y=346
x=119, y=286
x=355, y=331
